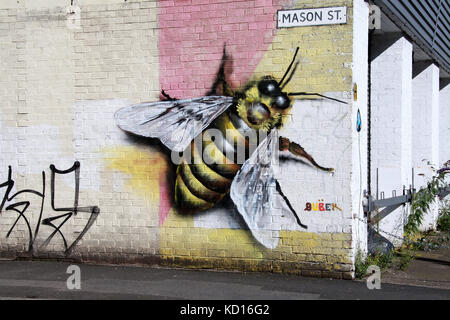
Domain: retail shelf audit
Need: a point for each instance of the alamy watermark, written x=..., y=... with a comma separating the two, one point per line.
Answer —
x=374, y=280
x=73, y=21
x=374, y=17
x=214, y=147
x=74, y=280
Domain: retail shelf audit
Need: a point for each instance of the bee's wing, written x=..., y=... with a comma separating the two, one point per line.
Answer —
x=174, y=123
x=254, y=192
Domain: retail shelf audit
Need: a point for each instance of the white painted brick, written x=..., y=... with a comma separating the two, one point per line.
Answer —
x=444, y=125
x=357, y=141
x=391, y=130
x=426, y=133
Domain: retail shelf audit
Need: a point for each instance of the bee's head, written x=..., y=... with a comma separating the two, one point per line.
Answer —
x=263, y=105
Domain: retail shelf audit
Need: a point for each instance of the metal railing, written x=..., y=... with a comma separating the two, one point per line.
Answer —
x=388, y=205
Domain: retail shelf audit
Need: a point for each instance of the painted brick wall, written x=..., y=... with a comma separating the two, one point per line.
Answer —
x=444, y=125
x=61, y=87
x=360, y=106
x=425, y=150
x=391, y=76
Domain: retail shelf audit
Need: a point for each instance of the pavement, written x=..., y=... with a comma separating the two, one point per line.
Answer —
x=430, y=269
x=48, y=280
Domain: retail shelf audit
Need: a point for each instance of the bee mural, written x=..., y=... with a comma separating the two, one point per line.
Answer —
x=209, y=172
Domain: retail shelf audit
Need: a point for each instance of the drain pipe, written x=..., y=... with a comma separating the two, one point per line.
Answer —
x=369, y=117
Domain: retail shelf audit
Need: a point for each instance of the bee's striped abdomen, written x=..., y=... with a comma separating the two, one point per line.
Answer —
x=205, y=180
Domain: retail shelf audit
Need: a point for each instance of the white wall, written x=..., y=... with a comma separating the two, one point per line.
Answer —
x=426, y=133
x=391, y=130
x=444, y=131
x=444, y=125
x=359, y=140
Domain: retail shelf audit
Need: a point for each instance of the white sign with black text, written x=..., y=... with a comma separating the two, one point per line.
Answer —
x=311, y=17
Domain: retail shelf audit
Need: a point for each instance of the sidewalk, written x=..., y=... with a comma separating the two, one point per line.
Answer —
x=47, y=280
x=429, y=269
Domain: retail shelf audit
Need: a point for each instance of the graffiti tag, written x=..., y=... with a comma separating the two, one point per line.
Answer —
x=56, y=222
x=321, y=206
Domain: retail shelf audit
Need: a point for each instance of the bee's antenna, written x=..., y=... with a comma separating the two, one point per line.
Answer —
x=314, y=94
x=289, y=68
x=290, y=77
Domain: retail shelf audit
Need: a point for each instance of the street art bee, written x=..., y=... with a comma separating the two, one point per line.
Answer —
x=208, y=172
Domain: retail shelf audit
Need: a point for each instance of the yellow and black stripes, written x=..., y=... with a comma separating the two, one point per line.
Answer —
x=206, y=178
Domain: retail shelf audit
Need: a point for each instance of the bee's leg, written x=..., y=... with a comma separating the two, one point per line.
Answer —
x=297, y=150
x=221, y=79
x=289, y=205
x=165, y=95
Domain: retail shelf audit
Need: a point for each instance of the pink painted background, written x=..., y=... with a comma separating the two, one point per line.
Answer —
x=192, y=34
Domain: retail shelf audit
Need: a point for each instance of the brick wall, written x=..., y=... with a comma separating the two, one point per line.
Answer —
x=425, y=150
x=391, y=74
x=444, y=120
x=60, y=87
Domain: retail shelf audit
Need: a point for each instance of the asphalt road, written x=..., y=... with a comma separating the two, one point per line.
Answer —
x=48, y=280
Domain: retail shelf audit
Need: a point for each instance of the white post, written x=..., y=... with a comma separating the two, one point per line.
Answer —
x=444, y=131
x=426, y=133
x=391, y=130
x=444, y=125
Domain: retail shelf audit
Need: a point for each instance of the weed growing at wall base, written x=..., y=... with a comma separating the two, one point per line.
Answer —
x=443, y=223
x=422, y=200
x=382, y=260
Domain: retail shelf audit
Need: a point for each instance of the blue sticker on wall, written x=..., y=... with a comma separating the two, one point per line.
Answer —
x=358, y=122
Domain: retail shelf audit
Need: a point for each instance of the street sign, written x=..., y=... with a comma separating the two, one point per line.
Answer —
x=311, y=17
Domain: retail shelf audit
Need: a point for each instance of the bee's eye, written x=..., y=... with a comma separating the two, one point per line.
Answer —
x=269, y=87
x=282, y=101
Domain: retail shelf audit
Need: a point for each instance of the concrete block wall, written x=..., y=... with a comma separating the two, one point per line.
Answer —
x=62, y=85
